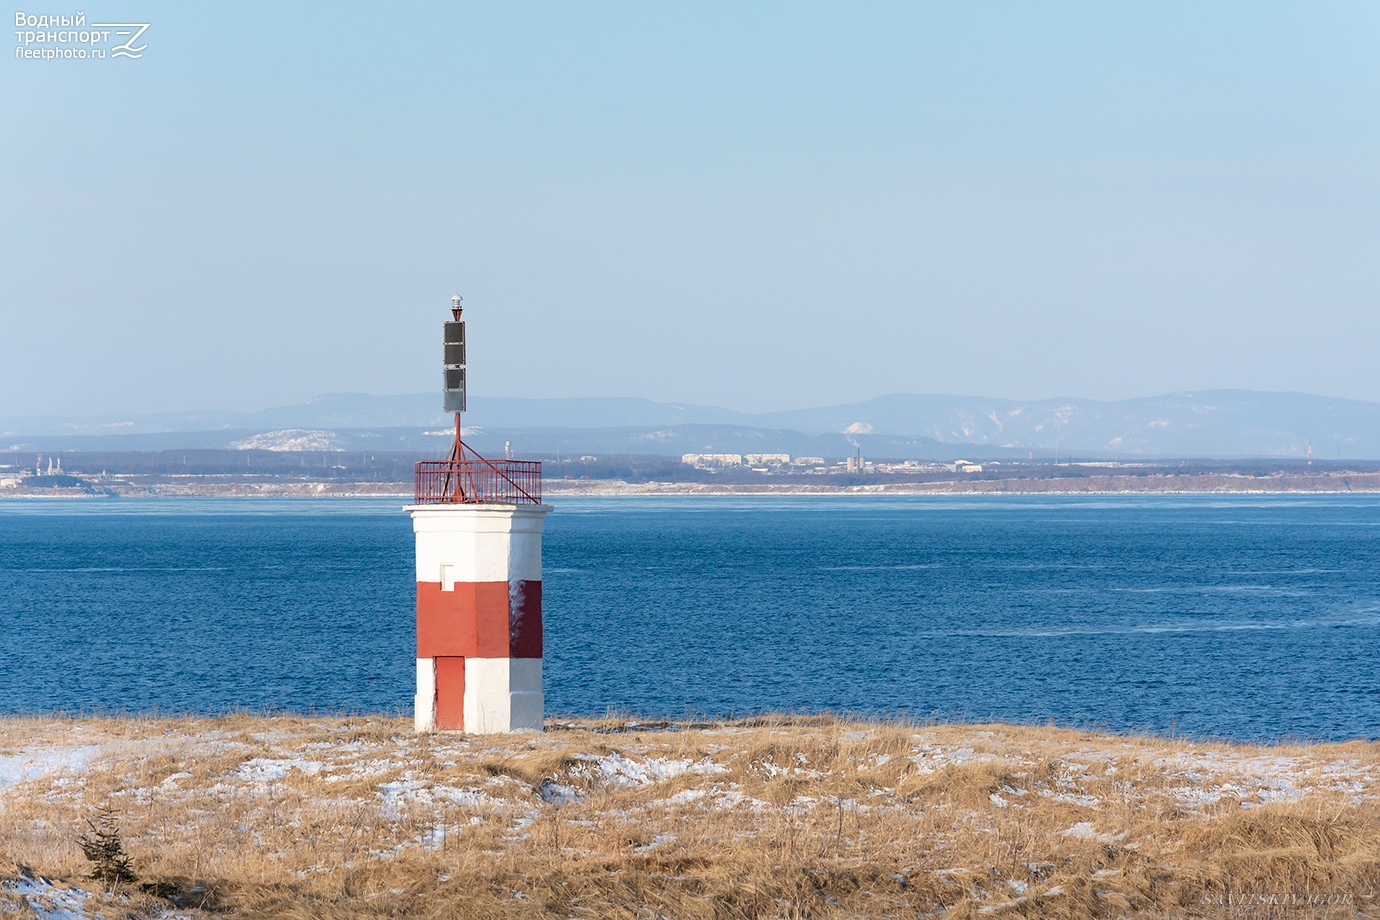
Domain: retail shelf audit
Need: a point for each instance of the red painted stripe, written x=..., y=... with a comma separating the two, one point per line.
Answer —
x=487, y=619
x=524, y=620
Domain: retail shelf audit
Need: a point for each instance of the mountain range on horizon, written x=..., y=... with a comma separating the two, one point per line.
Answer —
x=1205, y=424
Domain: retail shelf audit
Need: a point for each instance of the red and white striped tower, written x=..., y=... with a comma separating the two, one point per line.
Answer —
x=478, y=525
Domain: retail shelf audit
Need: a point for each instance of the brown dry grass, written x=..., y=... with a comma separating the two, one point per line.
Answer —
x=248, y=816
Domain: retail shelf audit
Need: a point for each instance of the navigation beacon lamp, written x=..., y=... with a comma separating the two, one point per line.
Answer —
x=478, y=525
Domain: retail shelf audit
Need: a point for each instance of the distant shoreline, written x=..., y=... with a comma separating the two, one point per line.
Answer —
x=1209, y=484
x=1098, y=485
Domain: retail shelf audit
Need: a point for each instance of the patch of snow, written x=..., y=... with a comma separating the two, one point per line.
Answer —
x=992, y=908
x=1085, y=830
x=270, y=737
x=404, y=791
x=48, y=901
x=932, y=758
x=1199, y=796
x=619, y=771
x=1071, y=798
x=773, y=771
x=658, y=840
x=559, y=793
x=469, y=798
x=520, y=825
x=262, y=769
x=430, y=840
x=29, y=765
x=731, y=798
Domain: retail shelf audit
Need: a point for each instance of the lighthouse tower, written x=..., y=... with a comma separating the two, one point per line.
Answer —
x=478, y=525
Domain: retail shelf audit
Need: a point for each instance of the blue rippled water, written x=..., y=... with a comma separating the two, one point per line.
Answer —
x=1252, y=617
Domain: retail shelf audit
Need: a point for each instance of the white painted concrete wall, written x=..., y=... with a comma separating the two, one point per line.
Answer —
x=524, y=554
x=489, y=542
x=503, y=695
x=424, y=703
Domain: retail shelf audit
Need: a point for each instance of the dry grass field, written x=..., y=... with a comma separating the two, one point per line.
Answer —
x=252, y=816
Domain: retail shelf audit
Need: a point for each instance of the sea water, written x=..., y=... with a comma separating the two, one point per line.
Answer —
x=1246, y=617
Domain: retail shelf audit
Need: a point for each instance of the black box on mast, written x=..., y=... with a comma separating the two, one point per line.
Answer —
x=454, y=389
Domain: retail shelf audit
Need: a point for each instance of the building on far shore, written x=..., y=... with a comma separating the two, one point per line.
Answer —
x=709, y=460
x=38, y=467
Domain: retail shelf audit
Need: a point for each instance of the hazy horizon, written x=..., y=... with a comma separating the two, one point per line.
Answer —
x=749, y=207
x=680, y=402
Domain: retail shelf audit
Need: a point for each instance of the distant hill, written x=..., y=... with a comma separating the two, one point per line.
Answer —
x=671, y=442
x=359, y=410
x=1211, y=423
x=1207, y=424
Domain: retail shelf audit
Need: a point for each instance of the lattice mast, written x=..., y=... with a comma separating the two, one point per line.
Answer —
x=464, y=476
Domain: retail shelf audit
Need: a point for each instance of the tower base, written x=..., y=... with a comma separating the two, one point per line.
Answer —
x=479, y=631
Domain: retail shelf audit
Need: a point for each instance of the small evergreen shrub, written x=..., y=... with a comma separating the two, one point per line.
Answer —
x=104, y=849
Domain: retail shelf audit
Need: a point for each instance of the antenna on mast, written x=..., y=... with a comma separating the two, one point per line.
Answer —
x=464, y=476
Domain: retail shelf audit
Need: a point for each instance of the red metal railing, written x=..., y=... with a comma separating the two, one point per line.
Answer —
x=468, y=481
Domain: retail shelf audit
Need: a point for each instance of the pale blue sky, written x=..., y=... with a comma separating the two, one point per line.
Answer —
x=760, y=206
